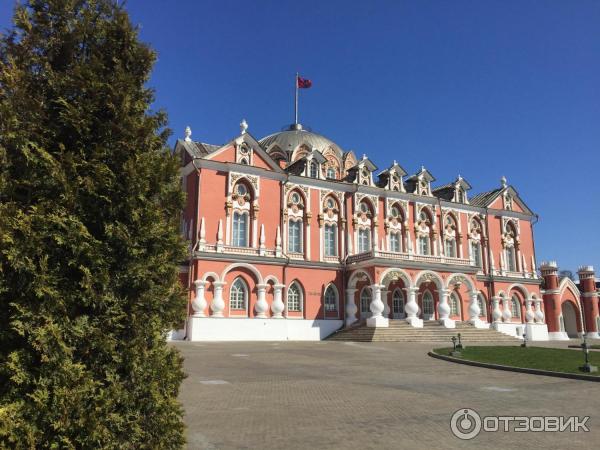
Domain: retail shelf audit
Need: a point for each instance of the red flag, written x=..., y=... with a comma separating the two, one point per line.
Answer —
x=303, y=83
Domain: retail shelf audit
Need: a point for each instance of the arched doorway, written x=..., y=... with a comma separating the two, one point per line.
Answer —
x=568, y=322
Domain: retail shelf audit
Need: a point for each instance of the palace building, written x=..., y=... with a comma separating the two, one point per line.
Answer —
x=292, y=237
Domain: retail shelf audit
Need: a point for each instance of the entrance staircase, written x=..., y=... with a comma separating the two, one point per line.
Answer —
x=432, y=331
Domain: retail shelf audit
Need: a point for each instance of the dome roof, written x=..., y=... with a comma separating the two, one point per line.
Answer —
x=292, y=138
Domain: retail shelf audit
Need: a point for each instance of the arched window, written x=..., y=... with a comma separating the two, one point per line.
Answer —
x=314, y=169
x=240, y=229
x=427, y=305
x=330, y=237
x=454, y=302
x=238, y=295
x=364, y=240
x=244, y=161
x=395, y=241
x=331, y=173
x=482, y=308
x=365, y=301
x=294, y=298
x=476, y=254
x=423, y=245
x=330, y=299
x=515, y=307
x=450, y=236
x=398, y=302
x=295, y=236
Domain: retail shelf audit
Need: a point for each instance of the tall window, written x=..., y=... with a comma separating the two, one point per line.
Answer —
x=365, y=301
x=238, y=295
x=450, y=248
x=515, y=307
x=240, y=229
x=314, y=170
x=423, y=245
x=511, y=260
x=364, y=240
x=454, y=311
x=395, y=242
x=428, y=304
x=330, y=299
x=481, y=303
x=476, y=253
x=294, y=298
x=398, y=302
x=295, y=236
x=330, y=240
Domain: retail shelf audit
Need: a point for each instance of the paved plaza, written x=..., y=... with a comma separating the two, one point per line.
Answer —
x=345, y=395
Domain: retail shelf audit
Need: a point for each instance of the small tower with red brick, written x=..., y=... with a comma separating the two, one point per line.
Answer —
x=589, y=300
x=551, y=296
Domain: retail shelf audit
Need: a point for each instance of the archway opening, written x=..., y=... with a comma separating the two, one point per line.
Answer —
x=569, y=319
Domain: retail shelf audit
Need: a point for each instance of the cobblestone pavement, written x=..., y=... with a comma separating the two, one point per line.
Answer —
x=339, y=395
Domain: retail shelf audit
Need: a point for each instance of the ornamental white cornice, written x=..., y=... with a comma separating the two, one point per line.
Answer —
x=516, y=223
x=374, y=199
x=324, y=193
x=389, y=202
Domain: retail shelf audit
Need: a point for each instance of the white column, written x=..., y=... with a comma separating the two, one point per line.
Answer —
x=496, y=312
x=261, y=307
x=261, y=248
x=199, y=303
x=475, y=310
x=539, y=314
x=412, y=308
x=376, y=307
x=351, y=308
x=386, y=306
x=218, y=304
x=444, y=309
x=220, y=236
x=202, y=242
x=506, y=312
x=529, y=314
x=277, y=306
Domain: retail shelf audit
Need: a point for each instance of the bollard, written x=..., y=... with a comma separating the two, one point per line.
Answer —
x=587, y=367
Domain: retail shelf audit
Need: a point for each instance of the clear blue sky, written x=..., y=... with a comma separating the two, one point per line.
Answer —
x=480, y=88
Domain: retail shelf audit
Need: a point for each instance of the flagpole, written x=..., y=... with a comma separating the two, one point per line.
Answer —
x=296, y=103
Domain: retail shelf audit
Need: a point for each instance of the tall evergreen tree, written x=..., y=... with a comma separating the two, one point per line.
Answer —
x=89, y=244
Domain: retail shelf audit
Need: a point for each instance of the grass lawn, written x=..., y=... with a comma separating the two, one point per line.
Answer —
x=555, y=359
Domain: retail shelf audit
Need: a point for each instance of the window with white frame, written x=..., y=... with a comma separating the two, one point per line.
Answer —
x=476, y=253
x=331, y=173
x=330, y=236
x=314, y=170
x=364, y=240
x=511, y=260
x=398, y=302
x=365, y=300
x=330, y=299
x=423, y=242
x=240, y=229
x=295, y=236
x=294, y=298
x=450, y=247
x=395, y=242
x=454, y=308
x=481, y=303
x=238, y=295
x=515, y=307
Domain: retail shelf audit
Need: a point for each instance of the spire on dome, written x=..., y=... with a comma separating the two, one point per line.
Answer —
x=188, y=134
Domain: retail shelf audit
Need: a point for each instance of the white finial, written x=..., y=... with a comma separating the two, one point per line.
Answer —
x=243, y=126
x=503, y=181
x=364, y=156
x=459, y=177
x=422, y=168
x=395, y=163
x=188, y=133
